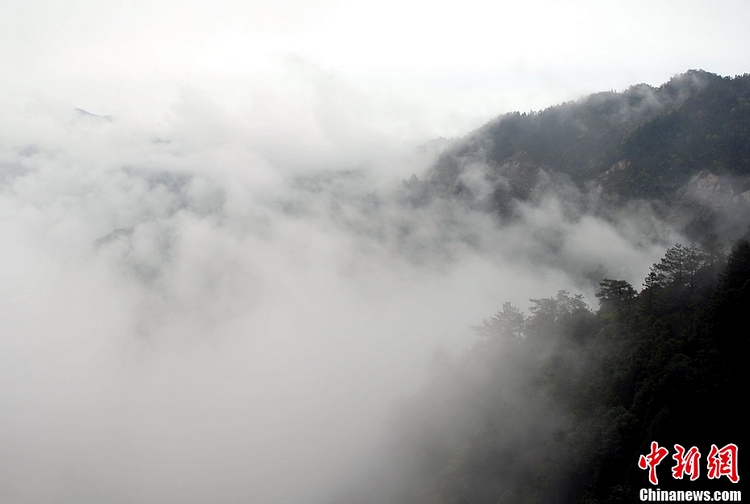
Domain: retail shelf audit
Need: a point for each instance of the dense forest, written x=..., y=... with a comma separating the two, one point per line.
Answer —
x=556, y=405
x=684, y=145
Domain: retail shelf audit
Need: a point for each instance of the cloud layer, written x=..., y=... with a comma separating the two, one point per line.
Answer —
x=192, y=311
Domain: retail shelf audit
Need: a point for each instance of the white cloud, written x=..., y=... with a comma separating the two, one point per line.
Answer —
x=199, y=301
x=187, y=311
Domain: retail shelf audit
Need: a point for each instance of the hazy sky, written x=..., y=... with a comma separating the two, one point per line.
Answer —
x=190, y=309
x=421, y=68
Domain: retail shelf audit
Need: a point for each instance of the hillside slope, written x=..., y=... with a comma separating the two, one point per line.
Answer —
x=684, y=146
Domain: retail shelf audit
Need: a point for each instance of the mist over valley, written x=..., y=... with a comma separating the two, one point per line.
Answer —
x=210, y=307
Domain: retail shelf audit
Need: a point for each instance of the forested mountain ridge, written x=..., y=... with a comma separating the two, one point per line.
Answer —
x=555, y=406
x=684, y=145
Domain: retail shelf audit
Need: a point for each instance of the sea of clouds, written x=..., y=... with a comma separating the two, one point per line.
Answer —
x=205, y=303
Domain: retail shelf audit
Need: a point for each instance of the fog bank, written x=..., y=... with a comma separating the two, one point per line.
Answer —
x=199, y=308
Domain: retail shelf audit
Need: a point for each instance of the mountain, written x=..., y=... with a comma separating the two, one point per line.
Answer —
x=683, y=146
x=557, y=403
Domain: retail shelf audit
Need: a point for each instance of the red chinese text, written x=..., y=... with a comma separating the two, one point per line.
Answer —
x=652, y=460
x=687, y=463
x=723, y=462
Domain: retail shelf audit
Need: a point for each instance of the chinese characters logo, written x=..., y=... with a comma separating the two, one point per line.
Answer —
x=720, y=462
